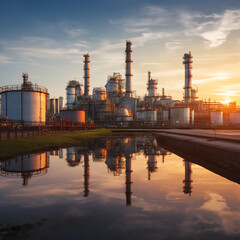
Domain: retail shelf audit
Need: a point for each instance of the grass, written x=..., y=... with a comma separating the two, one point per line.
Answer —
x=20, y=146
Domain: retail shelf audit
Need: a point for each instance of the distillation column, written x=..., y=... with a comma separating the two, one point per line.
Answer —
x=86, y=74
x=128, y=70
x=86, y=175
x=187, y=188
x=152, y=86
x=128, y=179
x=188, y=77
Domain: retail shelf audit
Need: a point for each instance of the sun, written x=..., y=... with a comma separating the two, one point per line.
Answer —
x=226, y=102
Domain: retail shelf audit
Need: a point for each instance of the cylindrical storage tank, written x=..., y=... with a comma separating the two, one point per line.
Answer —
x=52, y=106
x=180, y=116
x=60, y=104
x=217, y=118
x=192, y=117
x=73, y=115
x=71, y=94
x=235, y=118
x=24, y=105
x=151, y=115
x=56, y=106
x=165, y=115
x=141, y=116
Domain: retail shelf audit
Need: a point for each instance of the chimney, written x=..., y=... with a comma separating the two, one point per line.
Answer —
x=128, y=70
x=188, y=76
x=86, y=74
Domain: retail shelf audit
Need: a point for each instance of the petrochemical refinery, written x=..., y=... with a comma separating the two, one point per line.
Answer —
x=115, y=105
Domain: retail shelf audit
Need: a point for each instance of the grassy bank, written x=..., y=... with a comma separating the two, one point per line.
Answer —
x=16, y=147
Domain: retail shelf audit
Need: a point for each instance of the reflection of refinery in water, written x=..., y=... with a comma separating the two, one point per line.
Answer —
x=117, y=103
x=118, y=154
x=25, y=167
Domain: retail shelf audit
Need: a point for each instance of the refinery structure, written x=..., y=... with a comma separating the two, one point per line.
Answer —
x=115, y=105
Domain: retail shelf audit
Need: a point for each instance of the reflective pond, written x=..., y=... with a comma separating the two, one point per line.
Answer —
x=115, y=188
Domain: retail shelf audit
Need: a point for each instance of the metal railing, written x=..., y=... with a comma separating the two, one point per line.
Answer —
x=19, y=87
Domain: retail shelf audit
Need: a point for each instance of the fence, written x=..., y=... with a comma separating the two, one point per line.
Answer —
x=22, y=131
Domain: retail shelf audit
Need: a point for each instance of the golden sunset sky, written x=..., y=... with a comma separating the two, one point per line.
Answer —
x=48, y=38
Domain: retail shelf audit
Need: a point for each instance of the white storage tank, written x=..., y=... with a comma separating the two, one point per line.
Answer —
x=180, y=116
x=52, y=106
x=149, y=115
x=235, y=118
x=141, y=116
x=56, y=106
x=60, y=104
x=217, y=118
x=26, y=103
x=165, y=115
x=192, y=117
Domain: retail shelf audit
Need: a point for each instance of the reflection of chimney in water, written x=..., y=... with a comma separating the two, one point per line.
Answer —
x=128, y=179
x=86, y=175
x=187, y=188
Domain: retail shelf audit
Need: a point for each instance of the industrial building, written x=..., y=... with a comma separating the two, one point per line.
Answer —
x=116, y=105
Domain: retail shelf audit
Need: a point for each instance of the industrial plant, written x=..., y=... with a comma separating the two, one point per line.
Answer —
x=115, y=105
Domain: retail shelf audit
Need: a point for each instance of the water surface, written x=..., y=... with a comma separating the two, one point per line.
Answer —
x=115, y=188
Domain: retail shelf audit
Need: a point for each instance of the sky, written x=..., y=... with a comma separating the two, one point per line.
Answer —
x=47, y=39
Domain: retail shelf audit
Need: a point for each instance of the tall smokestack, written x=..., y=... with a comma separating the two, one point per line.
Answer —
x=188, y=76
x=86, y=74
x=149, y=75
x=128, y=69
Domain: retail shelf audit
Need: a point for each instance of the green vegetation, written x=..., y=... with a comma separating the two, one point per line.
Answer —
x=16, y=147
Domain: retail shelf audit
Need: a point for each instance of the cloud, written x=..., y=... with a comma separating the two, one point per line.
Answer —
x=174, y=45
x=144, y=19
x=149, y=37
x=45, y=52
x=4, y=60
x=82, y=44
x=215, y=77
x=74, y=32
x=214, y=29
